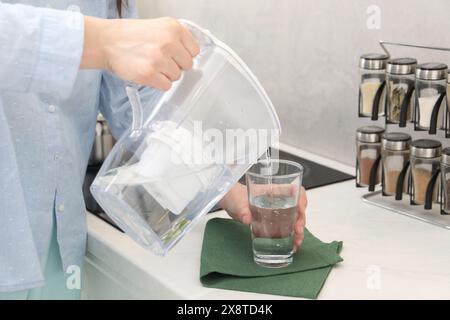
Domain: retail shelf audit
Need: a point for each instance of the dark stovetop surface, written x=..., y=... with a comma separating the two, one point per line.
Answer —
x=314, y=175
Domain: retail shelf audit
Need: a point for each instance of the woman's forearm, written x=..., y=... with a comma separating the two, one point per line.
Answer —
x=93, y=57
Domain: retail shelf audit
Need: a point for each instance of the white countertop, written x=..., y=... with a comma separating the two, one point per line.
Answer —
x=386, y=256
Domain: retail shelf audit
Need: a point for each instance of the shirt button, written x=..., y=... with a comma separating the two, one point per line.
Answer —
x=61, y=208
x=51, y=108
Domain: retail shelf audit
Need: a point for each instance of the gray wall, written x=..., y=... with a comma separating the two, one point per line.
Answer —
x=305, y=53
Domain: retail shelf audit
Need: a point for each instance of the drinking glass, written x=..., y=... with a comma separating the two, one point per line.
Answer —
x=273, y=190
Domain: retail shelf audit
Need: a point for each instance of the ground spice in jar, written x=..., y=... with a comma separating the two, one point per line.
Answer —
x=369, y=90
x=395, y=156
x=421, y=178
x=390, y=181
x=366, y=165
x=426, y=106
x=430, y=87
x=425, y=162
x=368, y=146
x=372, y=67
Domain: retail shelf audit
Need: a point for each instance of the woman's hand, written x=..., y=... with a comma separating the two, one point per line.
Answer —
x=150, y=52
x=235, y=202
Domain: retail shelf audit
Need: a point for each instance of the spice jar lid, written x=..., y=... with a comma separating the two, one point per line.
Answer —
x=426, y=148
x=401, y=66
x=445, y=159
x=396, y=141
x=431, y=71
x=373, y=61
x=369, y=134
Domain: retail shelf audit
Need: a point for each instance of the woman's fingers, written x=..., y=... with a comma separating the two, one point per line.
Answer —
x=299, y=233
x=298, y=240
x=301, y=218
x=170, y=69
x=246, y=217
x=235, y=202
x=148, y=52
x=159, y=81
x=243, y=216
x=189, y=42
x=182, y=58
x=302, y=204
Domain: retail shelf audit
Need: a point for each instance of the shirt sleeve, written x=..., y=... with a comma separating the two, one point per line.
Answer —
x=40, y=49
x=113, y=101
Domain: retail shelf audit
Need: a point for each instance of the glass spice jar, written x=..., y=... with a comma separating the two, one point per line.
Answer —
x=372, y=94
x=425, y=164
x=400, y=88
x=368, y=156
x=431, y=85
x=395, y=159
x=445, y=181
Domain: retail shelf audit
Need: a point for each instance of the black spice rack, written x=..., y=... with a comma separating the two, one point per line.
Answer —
x=403, y=205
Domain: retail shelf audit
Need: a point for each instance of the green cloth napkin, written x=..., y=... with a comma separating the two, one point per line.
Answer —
x=227, y=263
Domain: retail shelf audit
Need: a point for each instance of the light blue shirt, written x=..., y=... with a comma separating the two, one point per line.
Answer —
x=48, y=112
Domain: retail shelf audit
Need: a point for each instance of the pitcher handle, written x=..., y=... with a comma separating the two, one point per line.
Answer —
x=136, y=108
x=202, y=36
x=204, y=40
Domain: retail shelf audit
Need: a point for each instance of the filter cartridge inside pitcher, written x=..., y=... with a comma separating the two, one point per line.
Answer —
x=167, y=168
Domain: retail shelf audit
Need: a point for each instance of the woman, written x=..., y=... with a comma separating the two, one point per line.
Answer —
x=62, y=63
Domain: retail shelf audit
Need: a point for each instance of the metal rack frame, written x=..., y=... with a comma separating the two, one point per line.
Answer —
x=404, y=207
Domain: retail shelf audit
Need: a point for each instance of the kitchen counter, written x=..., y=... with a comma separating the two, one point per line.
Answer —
x=386, y=255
